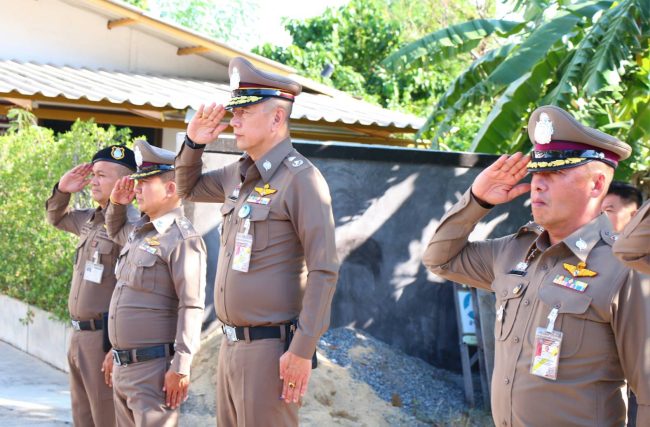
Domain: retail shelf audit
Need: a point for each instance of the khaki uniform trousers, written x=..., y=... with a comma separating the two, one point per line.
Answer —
x=138, y=395
x=92, y=399
x=249, y=385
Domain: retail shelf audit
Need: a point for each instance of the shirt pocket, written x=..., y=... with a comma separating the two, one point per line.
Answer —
x=260, y=226
x=79, y=251
x=509, y=291
x=226, y=211
x=145, y=271
x=572, y=316
x=121, y=263
x=105, y=250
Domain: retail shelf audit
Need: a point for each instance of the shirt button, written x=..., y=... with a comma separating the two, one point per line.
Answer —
x=504, y=293
x=507, y=381
x=545, y=267
x=558, y=305
x=228, y=254
x=505, y=423
x=516, y=339
x=221, y=289
x=526, y=302
x=139, y=262
x=112, y=317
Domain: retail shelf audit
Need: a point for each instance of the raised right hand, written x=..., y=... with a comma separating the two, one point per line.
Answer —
x=498, y=182
x=76, y=178
x=123, y=191
x=206, y=125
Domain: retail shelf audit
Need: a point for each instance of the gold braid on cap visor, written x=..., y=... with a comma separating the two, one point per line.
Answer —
x=556, y=163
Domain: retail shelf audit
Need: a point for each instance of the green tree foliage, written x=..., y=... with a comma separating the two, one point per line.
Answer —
x=37, y=258
x=218, y=19
x=354, y=39
x=590, y=57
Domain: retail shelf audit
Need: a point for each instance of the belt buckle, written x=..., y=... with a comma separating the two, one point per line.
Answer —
x=231, y=333
x=116, y=358
x=75, y=325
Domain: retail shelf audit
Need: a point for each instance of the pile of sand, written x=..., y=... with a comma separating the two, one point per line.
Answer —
x=333, y=397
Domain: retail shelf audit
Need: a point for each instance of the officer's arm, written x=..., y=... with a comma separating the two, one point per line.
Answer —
x=309, y=204
x=631, y=326
x=191, y=184
x=633, y=245
x=63, y=218
x=117, y=225
x=187, y=266
x=450, y=255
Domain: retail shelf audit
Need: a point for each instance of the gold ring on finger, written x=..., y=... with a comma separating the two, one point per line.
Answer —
x=292, y=385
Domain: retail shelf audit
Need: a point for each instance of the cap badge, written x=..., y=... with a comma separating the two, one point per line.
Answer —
x=117, y=153
x=234, y=79
x=543, y=129
x=138, y=156
x=267, y=165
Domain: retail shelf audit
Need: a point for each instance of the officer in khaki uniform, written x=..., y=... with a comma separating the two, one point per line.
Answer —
x=633, y=245
x=156, y=311
x=277, y=260
x=572, y=323
x=92, y=280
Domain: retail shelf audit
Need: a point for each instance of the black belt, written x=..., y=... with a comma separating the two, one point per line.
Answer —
x=87, y=325
x=237, y=333
x=127, y=357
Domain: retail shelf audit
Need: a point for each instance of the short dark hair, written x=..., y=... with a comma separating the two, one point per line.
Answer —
x=627, y=192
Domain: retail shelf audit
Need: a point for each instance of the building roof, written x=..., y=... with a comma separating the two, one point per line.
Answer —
x=172, y=93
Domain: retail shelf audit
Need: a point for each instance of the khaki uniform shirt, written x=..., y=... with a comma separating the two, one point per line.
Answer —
x=633, y=245
x=87, y=300
x=293, y=267
x=606, y=328
x=160, y=292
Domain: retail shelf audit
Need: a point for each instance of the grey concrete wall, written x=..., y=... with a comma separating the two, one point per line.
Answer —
x=385, y=213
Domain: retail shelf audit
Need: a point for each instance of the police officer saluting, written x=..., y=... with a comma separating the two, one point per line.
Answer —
x=572, y=323
x=277, y=260
x=92, y=280
x=156, y=311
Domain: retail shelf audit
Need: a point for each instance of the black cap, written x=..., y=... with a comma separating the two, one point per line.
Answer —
x=117, y=154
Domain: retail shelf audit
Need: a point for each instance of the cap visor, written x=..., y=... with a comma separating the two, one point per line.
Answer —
x=242, y=101
x=147, y=174
x=556, y=164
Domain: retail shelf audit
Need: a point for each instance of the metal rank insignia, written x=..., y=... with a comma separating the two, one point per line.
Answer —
x=570, y=282
x=266, y=190
x=153, y=241
x=579, y=270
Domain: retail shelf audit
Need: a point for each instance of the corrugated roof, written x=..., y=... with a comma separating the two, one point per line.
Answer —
x=178, y=93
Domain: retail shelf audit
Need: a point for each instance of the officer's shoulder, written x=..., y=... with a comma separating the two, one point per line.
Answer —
x=296, y=162
x=608, y=236
x=185, y=227
x=529, y=228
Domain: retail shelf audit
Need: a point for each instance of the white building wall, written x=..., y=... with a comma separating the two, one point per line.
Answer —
x=59, y=33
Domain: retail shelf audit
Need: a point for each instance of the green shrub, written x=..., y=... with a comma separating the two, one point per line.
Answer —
x=37, y=258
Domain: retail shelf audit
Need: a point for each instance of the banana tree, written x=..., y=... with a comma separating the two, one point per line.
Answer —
x=590, y=57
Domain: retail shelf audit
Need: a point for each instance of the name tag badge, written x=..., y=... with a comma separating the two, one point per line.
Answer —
x=548, y=343
x=243, y=248
x=93, y=272
x=242, y=255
